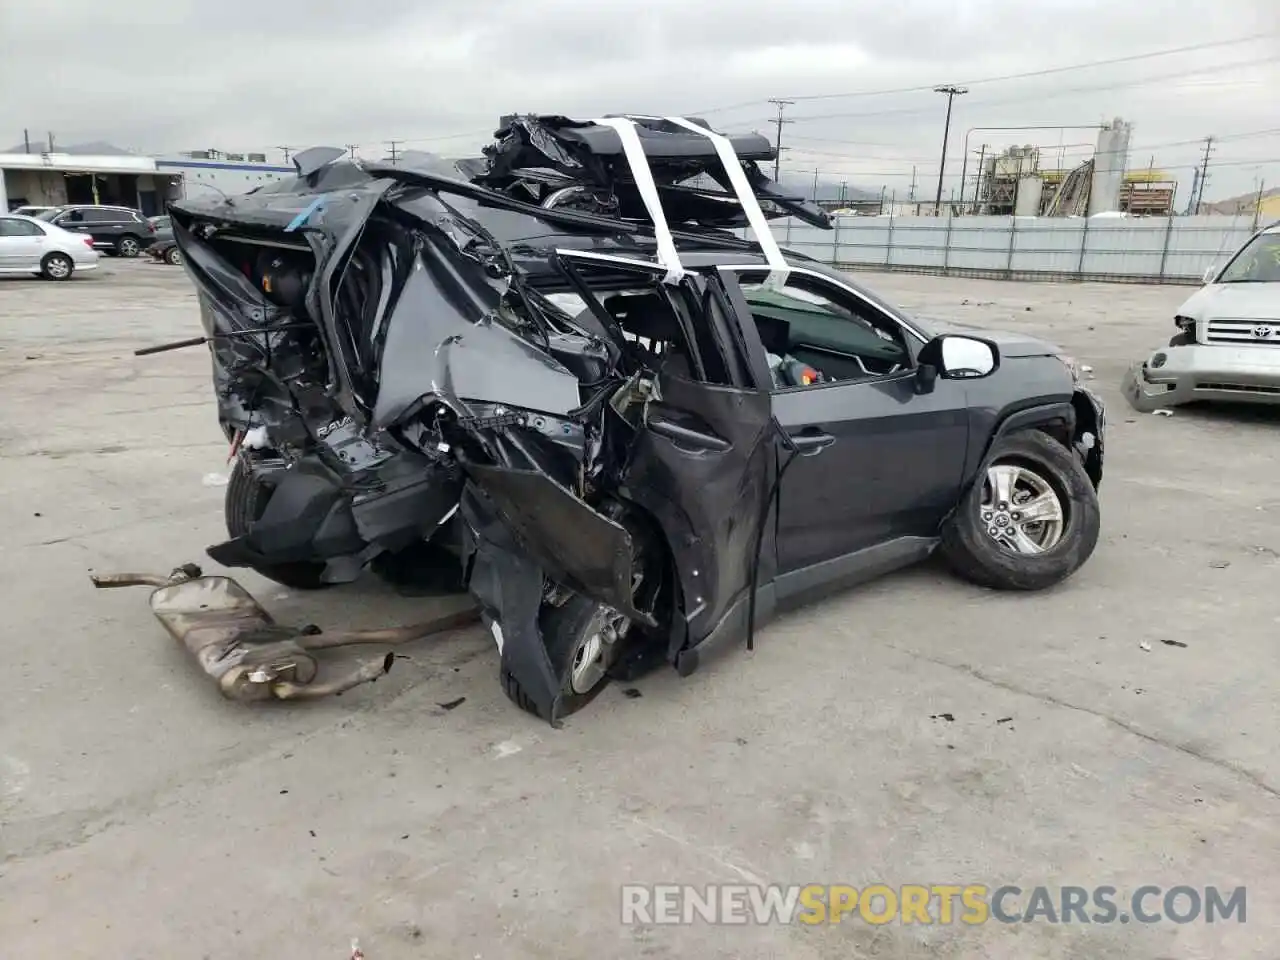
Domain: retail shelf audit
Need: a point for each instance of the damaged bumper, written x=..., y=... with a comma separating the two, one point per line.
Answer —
x=1204, y=372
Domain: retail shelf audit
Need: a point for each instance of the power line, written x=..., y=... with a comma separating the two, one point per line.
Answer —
x=1049, y=71
x=1049, y=94
x=797, y=167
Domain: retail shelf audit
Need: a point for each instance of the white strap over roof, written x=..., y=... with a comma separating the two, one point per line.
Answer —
x=778, y=267
x=633, y=150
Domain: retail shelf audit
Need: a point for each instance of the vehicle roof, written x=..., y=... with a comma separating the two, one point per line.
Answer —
x=92, y=206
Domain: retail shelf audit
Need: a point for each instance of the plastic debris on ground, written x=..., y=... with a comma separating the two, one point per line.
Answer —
x=1145, y=646
x=214, y=480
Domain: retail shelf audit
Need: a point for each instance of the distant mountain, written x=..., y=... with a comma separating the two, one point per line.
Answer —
x=95, y=149
x=827, y=189
x=1245, y=203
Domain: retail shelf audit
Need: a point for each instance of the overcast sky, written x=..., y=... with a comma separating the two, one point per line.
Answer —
x=254, y=74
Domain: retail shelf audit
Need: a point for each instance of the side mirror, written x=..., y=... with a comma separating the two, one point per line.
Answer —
x=1210, y=272
x=956, y=357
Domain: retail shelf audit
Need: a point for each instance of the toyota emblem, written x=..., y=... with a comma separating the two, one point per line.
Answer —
x=1263, y=332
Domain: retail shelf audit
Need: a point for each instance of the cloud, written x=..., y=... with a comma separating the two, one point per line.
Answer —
x=160, y=75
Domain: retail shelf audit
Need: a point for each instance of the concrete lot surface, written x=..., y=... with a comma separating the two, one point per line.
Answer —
x=917, y=730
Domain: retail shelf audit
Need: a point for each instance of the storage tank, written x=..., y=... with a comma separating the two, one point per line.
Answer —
x=1026, y=203
x=1111, y=158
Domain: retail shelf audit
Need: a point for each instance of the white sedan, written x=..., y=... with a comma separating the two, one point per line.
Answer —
x=28, y=245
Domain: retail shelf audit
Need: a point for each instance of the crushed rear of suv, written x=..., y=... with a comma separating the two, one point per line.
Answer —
x=558, y=373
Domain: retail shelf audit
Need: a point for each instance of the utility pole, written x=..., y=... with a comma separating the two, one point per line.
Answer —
x=883, y=189
x=1204, y=171
x=952, y=91
x=1191, y=201
x=393, y=148
x=777, y=141
x=912, y=195
x=351, y=149
x=285, y=151
x=844, y=185
x=815, y=184
x=1257, y=207
x=977, y=183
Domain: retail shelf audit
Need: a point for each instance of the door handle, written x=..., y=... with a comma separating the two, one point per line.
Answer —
x=812, y=442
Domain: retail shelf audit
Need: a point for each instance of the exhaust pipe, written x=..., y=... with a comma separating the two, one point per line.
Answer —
x=250, y=657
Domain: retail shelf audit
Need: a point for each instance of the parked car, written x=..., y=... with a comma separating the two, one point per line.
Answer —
x=163, y=246
x=117, y=231
x=633, y=433
x=1227, y=347
x=30, y=211
x=28, y=245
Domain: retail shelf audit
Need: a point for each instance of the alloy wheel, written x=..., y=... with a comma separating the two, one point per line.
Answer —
x=1021, y=510
x=592, y=657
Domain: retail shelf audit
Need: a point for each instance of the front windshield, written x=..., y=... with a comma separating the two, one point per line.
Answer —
x=1258, y=262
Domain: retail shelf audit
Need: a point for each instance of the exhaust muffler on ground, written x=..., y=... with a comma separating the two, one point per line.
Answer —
x=246, y=653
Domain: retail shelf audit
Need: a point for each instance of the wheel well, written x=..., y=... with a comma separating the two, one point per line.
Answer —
x=55, y=253
x=645, y=527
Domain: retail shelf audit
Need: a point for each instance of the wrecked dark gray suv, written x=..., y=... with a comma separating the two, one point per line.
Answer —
x=558, y=374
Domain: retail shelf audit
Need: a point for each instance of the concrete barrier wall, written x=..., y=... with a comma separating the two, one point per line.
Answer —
x=1147, y=249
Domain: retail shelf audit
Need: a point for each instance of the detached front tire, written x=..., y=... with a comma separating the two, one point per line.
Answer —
x=245, y=500
x=1031, y=519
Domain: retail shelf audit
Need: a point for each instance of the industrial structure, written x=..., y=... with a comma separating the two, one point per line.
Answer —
x=30, y=174
x=1014, y=183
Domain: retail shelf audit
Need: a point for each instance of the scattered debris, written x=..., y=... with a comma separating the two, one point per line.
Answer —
x=1005, y=720
x=39, y=514
x=740, y=741
x=1172, y=643
x=950, y=718
x=214, y=479
x=632, y=693
x=312, y=832
x=452, y=704
x=1220, y=564
x=1163, y=412
x=1145, y=646
x=506, y=748
x=356, y=952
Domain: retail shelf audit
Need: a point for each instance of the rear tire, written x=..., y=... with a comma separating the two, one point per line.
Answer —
x=57, y=266
x=173, y=256
x=991, y=542
x=128, y=246
x=246, y=499
x=575, y=637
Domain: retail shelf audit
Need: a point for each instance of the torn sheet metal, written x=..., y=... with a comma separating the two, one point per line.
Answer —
x=250, y=657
